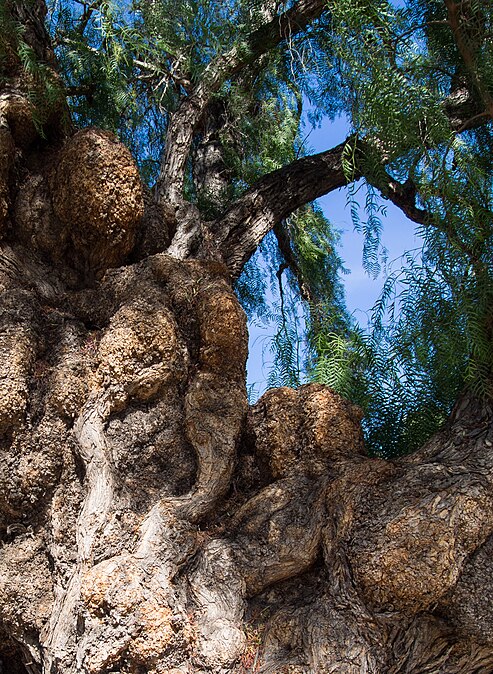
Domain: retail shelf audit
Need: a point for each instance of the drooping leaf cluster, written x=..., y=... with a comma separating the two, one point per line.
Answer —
x=270, y=290
x=430, y=333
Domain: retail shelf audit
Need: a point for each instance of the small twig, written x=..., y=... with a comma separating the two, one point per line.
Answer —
x=86, y=15
x=414, y=29
x=279, y=272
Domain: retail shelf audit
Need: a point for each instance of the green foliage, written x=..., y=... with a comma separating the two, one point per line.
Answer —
x=272, y=304
x=39, y=82
x=406, y=370
x=127, y=65
x=430, y=333
x=395, y=70
x=270, y=293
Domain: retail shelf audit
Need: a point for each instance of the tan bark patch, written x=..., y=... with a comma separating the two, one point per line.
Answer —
x=332, y=425
x=16, y=359
x=419, y=554
x=222, y=331
x=276, y=419
x=25, y=586
x=306, y=427
x=18, y=112
x=140, y=353
x=97, y=192
x=139, y=625
x=35, y=222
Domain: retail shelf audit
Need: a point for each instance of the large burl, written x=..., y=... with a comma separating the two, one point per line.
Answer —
x=97, y=195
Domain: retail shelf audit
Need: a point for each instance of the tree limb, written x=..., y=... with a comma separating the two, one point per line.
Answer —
x=277, y=194
x=186, y=118
x=403, y=195
x=239, y=231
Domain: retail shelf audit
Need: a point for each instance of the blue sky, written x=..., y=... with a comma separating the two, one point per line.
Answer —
x=361, y=290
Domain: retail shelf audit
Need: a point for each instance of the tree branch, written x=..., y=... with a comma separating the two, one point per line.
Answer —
x=457, y=20
x=284, y=243
x=239, y=231
x=186, y=118
x=86, y=16
x=403, y=195
x=278, y=194
x=31, y=16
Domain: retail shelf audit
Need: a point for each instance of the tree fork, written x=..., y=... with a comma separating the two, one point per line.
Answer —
x=151, y=521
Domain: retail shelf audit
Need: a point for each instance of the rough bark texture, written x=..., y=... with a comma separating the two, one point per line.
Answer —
x=150, y=521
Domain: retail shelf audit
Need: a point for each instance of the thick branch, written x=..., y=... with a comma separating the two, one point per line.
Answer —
x=186, y=118
x=278, y=194
x=403, y=195
x=458, y=24
x=31, y=16
x=273, y=198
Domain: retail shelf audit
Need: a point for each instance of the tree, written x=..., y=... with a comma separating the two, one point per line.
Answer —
x=152, y=521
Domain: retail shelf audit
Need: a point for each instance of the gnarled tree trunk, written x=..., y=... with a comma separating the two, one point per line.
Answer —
x=151, y=521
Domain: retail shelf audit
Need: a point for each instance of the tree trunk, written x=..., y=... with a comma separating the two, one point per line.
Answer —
x=150, y=521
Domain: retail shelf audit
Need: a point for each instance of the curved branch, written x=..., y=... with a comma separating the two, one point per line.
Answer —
x=187, y=116
x=274, y=197
x=279, y=193
x=403, y=195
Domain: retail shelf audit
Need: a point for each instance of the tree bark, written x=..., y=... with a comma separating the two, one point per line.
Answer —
x=188, y=115
x=275, y=196
x=150, y=520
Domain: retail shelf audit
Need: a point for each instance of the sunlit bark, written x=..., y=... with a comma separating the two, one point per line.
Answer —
x=150, y=520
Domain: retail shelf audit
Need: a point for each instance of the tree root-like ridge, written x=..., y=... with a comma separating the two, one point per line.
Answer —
x=179, y=534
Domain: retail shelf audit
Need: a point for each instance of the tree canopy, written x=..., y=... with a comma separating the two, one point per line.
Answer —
x=211, y=99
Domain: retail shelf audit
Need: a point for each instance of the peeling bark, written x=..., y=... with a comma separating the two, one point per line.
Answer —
x=125, y=546
x=161, y=528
